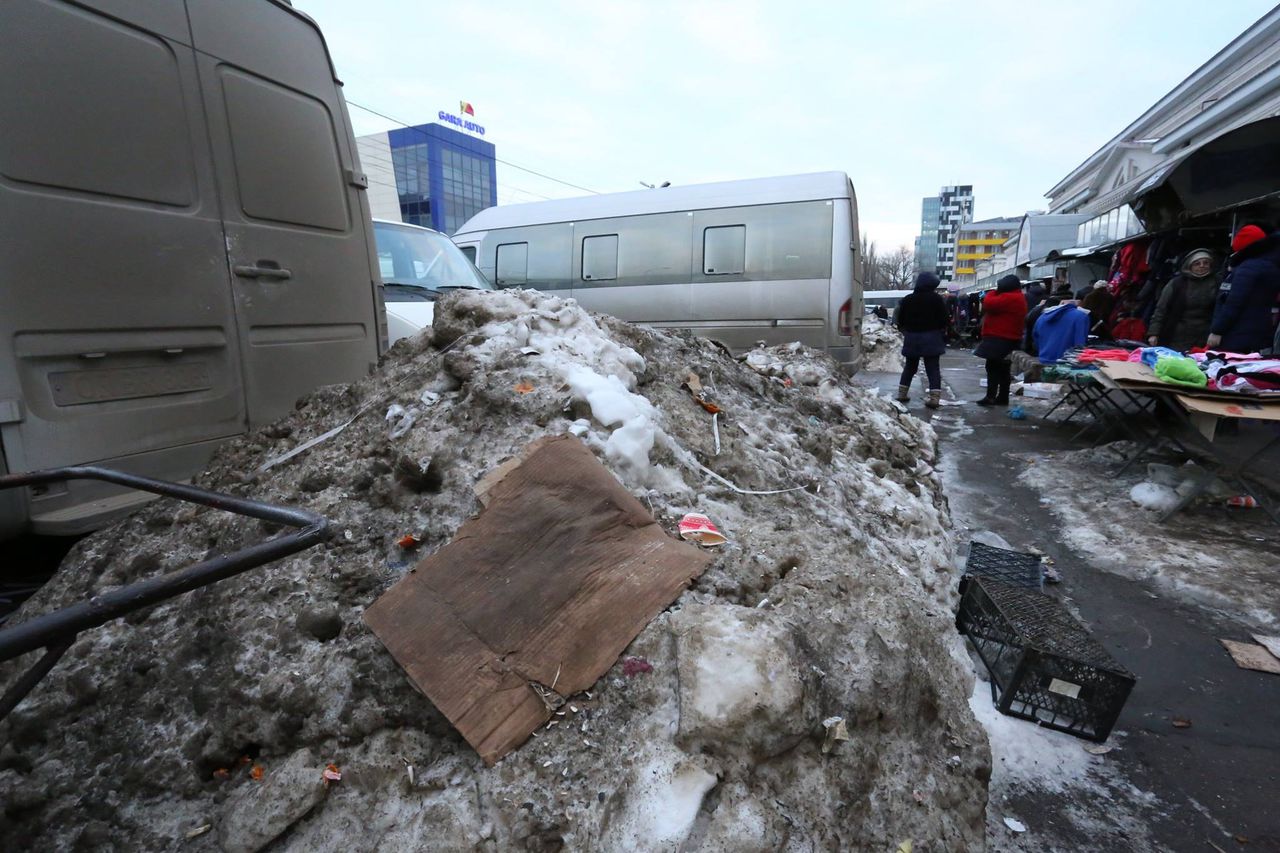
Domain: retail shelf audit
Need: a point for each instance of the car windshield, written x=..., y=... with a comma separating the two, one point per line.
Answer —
x=415, y=257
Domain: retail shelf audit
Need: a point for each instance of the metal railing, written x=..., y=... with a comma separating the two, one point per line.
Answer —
x=55, y=632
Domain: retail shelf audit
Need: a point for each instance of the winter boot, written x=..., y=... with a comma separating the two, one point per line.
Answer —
x=934, y=400
x=904, y=393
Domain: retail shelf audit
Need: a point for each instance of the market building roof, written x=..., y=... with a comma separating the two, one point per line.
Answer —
x=1239, y=85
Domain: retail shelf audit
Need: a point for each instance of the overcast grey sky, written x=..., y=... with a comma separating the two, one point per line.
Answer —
x=904, y=95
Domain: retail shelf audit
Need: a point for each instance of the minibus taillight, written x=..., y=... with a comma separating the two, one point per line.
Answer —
x=844, y=322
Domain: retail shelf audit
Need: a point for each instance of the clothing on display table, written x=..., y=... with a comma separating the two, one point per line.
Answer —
x=1180, y=370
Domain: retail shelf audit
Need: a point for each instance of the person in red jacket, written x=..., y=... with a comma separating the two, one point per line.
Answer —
x=1003, y=313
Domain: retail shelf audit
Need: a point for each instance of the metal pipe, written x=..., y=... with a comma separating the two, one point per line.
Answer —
x=57, y=630
x=181, y=491
x=39, y=631
x=24, y=685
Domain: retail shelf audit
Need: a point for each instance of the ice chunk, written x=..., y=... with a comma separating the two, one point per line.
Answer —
x=739, y=677
x=1154, y=496
x=662, y=804
x=610, y=401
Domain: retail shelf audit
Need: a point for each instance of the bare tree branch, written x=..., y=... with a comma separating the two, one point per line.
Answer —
x=892, y=272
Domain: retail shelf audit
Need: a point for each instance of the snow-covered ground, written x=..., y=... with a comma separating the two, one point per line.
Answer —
x=1209, y=554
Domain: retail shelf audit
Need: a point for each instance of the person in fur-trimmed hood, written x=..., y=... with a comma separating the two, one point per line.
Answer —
x=1185, y=307
x=1242, y=317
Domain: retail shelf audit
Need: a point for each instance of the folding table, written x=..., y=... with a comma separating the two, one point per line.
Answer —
x=1191, y=425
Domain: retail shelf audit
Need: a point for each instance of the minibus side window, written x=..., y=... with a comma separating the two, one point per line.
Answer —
x=600, y=258
x=512, y=266
x=724, y=250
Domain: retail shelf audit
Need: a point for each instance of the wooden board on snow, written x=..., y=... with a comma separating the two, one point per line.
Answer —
x=535, y=597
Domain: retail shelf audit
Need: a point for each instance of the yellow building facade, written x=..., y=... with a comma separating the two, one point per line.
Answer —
x=977, y=241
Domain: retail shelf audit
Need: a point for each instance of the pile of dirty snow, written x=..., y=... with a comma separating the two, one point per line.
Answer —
x=881, y=346
x=801, y=694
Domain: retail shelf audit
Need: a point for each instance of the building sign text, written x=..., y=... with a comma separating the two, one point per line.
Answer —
x=465, y=124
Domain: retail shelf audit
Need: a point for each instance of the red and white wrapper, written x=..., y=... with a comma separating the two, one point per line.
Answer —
x=696, y=527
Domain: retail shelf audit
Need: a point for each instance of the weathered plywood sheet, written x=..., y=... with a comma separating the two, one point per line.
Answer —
x=547, y=585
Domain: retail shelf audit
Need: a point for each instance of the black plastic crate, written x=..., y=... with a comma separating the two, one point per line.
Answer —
x=1000, y=564
x=1044, y=665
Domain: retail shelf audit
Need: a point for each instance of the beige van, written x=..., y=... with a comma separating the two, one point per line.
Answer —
x=186, y=243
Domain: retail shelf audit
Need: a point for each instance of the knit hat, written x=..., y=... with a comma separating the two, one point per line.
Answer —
x=927, y=281
x=1247, y=236
x=1008, y=282
x=1192, y=257
x=1099, y=284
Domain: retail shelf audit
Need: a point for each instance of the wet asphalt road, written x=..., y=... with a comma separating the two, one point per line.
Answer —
x=1217, y=783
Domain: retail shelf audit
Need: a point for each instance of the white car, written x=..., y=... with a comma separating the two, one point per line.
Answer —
x=417, y=265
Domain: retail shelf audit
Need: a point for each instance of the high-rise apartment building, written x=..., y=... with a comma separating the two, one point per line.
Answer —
x=955, y=208
x=941, y=216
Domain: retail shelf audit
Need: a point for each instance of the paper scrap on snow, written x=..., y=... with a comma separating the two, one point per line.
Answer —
x=696, y=527
x=535, y=598
x=1015, y=825
x=1250, y=656
x=1272, y=643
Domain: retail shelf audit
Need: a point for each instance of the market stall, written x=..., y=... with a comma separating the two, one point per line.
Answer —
x=1162, y=400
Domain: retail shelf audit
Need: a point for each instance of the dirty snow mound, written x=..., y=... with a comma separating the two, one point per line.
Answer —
x=881, y=346
x=214, y=714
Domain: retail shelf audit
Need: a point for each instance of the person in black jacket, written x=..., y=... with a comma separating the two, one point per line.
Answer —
x=922, y=319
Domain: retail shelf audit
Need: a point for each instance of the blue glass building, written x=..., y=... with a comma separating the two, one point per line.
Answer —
x=927, y=242
x=443, y=176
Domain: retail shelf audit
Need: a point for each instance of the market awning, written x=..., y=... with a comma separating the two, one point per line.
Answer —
x=1238, y=167
x=1074, y=254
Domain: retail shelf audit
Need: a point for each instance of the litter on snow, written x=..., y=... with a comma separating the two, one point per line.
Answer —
x=1251, y=656
x=696, y=527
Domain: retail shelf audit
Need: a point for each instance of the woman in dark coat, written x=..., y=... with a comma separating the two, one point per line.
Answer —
x=1242, y=318
x=922, y=319
x=1003, y=313
x=1185, y=307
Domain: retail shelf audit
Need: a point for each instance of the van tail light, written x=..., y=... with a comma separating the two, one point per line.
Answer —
x=844, y=322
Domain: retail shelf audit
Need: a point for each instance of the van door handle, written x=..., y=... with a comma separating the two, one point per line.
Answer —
x=264, y=269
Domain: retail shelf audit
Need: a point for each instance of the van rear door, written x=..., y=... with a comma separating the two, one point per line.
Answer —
x=297, y=225
x=116, y=324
